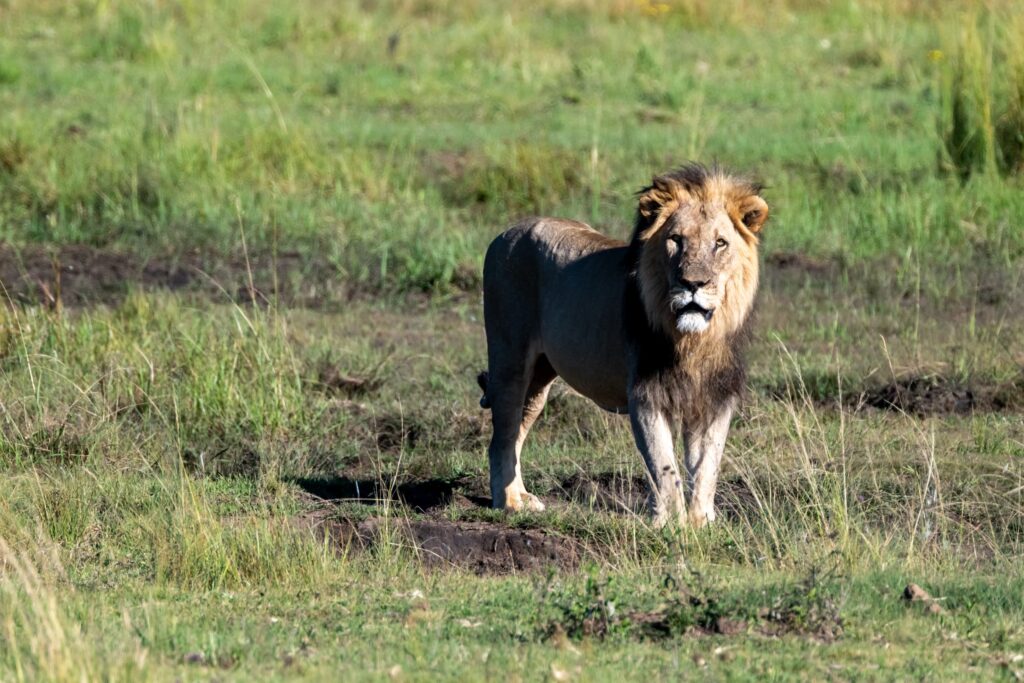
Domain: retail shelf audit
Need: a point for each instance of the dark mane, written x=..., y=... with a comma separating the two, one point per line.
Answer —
x=664, y=369
x=661, y=378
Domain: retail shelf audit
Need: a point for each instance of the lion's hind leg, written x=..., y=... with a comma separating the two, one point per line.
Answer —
x=515, y=405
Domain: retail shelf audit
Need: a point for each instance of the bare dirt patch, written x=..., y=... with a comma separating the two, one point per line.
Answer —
x=79, y=275
x=914, y=395
x=924, y=396
x=481, y=547
x=795, y=262
x=605, y=491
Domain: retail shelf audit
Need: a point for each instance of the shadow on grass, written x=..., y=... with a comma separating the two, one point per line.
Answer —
x=420, y=496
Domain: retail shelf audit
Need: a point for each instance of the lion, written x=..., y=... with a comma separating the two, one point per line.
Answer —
x=655, y=328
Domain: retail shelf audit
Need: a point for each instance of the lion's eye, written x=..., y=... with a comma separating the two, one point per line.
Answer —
x=721, y=244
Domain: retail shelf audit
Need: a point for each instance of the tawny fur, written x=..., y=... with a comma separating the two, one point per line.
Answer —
x=705, y=369
x=561, y=299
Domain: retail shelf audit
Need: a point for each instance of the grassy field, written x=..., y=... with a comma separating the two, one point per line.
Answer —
x=240, y=250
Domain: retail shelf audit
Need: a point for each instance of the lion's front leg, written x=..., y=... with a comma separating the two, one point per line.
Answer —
x=704, y=448
x=653, y=436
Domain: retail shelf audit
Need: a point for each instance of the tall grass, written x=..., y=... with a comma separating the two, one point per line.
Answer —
x=970, y=134
x=397, y=167
x=195, y=548
x=1010, y=124
x=983, y=117
x=85, y=386
x=42, y=640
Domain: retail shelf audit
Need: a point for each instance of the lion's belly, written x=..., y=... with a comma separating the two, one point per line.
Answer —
x=581, y=336
x=608, y=390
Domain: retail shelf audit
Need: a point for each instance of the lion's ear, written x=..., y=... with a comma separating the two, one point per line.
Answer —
x=654, y=198
x=655, y=204
x=752, y=212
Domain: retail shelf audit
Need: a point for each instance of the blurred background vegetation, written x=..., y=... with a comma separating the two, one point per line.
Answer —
x=392, y=140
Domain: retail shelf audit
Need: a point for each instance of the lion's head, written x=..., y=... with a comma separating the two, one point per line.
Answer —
x=697, y=269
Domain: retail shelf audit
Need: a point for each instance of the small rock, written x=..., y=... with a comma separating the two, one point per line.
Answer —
x=729, y=627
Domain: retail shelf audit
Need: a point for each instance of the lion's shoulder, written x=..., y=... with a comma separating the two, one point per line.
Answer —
x=555, y=236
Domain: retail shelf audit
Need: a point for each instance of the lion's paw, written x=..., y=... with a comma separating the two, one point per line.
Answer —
x=701, y=518
x=524, y=502
x=668, y=521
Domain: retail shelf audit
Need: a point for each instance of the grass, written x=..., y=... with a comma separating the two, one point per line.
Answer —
x=301, y=125
x=169, y=452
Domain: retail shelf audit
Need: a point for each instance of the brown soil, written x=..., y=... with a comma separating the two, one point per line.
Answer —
x=79, y=275
x=914, y=395
x=924, y=396
x=482, y=547
x=793, y=262
x=605, y=491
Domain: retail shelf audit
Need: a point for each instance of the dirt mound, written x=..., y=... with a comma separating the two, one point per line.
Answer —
x=922, y=396
x=482, y=547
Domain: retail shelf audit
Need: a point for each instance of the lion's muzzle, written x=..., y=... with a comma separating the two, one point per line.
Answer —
x=692, y=309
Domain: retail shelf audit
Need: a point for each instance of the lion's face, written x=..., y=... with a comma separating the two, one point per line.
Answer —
x=699, y=264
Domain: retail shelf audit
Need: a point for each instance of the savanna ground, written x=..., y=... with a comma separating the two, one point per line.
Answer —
x=240, y=245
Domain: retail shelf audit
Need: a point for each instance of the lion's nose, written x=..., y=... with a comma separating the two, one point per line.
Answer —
x=692, y=285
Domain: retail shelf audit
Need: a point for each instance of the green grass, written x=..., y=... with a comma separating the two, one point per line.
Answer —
x=156, y=451
x=298, y=126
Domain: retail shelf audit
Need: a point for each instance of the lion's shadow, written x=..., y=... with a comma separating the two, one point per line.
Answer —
x=419, y=496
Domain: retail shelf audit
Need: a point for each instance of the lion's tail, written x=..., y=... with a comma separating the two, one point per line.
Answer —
x=481, y=379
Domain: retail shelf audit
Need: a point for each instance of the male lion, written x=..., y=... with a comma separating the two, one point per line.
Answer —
x=655, y=327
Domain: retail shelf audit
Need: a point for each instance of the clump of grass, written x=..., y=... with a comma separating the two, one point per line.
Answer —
x=969, y=135
x=1010, y=125
x=9, y=71
x=983, y=100
x=523, y=177
x=606, y=607
x=193, y=547
x=120, y=32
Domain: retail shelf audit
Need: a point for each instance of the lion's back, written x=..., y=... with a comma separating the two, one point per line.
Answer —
x=556, y=286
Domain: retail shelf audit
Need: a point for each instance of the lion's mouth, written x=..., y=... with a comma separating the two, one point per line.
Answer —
x=694, y=308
